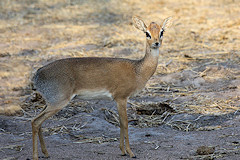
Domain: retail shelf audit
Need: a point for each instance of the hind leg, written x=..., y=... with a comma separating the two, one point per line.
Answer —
x=36, y=127
x=42, y=143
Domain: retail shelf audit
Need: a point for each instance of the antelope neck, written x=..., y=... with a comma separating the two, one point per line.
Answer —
x=149, y=62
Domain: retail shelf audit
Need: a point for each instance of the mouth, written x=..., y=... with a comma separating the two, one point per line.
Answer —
x=155, y=46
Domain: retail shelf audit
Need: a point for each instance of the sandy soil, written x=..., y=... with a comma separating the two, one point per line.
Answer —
x=188, y=110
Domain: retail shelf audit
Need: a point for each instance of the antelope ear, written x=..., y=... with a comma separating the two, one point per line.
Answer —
x=167, y=23
x=139, y=23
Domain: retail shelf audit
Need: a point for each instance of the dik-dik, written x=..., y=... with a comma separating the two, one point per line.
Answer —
x=97, y=78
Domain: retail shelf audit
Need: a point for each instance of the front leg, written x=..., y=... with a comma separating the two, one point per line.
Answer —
x=122, y=111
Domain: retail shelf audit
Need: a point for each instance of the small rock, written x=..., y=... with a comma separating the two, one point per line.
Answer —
x=28, y=52
x=5, y=54
x=205, y=150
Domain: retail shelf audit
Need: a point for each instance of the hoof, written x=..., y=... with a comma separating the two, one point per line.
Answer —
x=134, y=156
x=44, y=157
x=123, y=154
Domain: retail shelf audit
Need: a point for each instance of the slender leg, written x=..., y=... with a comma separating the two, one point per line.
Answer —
x=36, y=127
x=43, y=146
x=121, y=145
x=40, y=135
x=35, y=130
x=122, y=111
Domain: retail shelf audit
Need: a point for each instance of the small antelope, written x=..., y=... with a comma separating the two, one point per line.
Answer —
x=97, y=78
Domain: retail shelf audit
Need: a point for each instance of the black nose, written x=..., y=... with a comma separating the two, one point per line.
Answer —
x=157, y=43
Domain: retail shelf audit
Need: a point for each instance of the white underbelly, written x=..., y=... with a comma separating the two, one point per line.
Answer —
x=94, y=94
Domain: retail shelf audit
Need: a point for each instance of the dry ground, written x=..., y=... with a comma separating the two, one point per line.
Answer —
x=193, y=98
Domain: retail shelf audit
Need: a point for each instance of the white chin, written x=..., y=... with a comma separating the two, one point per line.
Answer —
x=154, y=47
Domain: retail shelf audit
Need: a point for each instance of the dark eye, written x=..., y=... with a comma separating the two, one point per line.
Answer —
x=148, y=35
x=161, y=33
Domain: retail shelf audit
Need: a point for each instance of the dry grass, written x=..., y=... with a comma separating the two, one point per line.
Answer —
x=204, y=33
